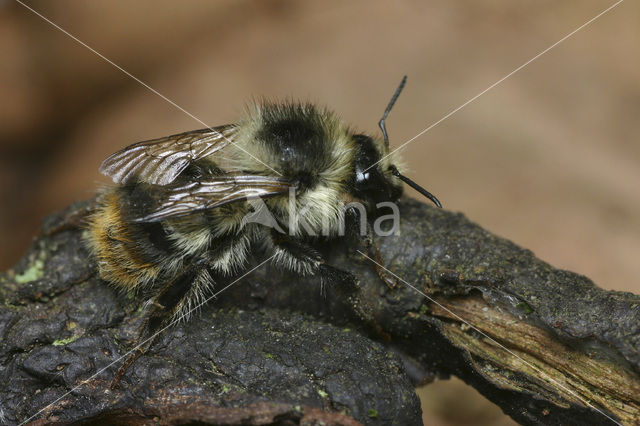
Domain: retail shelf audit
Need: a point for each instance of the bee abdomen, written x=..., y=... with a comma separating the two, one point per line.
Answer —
x=128, y=255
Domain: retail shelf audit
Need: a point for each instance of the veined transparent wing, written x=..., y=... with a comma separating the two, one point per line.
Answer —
x=160, y=161
x=214, y=192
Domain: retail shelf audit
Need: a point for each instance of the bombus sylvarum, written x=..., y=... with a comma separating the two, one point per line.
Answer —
x=176, y=220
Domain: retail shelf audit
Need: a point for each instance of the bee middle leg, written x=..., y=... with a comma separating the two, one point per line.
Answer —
x=298, y=256
x=167, y=305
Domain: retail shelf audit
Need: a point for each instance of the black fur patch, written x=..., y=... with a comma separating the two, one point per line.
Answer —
x=297, y=134
x=371, y=184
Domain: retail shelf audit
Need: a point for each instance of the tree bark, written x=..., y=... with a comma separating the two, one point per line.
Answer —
x=546, y=345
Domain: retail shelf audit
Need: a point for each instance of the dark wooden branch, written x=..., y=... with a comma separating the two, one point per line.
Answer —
x=546, y=345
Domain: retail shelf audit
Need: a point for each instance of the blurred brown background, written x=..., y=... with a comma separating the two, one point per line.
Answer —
x=549, y=159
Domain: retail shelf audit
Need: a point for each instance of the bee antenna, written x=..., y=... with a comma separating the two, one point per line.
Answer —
x=415, y=186
x=388, y=110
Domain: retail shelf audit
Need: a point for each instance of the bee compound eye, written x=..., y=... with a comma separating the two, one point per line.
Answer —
x=363, y=176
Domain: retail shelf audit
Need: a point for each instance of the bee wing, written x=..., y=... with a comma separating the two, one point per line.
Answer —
x=214, y=192
x=160, y=161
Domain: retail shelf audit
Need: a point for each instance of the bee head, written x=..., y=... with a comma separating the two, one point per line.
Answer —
x=373, y=184
x=373, y=174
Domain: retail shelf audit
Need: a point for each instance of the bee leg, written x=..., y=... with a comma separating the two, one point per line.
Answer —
x=294, y=255
x=73, y=217
x=359, y=233
x=159, y=311
x=125, y=366
x=384, y=275
x=142, y=342
x=298, y=256
x=373, y=250
x=348, y=282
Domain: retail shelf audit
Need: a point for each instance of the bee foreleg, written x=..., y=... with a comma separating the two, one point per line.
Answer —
x=359, y=235
x=373, y=250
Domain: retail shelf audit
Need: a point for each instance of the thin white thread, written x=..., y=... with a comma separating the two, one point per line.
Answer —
x=498, y=82
x=400, y=147
x=145, y=84
x=540, y=371
x=145, y=341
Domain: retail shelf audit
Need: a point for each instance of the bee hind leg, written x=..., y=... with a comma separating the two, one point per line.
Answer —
x=162, y=311
x=73, y=217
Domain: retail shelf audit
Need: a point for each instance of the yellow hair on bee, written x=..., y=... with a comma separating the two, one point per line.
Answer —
x=118, y=256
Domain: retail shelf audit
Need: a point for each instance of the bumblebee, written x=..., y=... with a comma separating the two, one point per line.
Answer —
x=177, y=218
